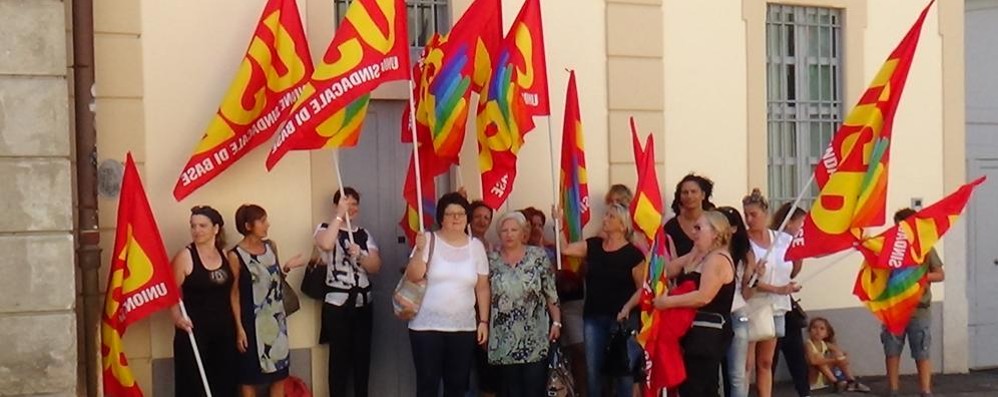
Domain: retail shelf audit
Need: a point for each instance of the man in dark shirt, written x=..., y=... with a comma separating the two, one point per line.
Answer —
x=918, y=331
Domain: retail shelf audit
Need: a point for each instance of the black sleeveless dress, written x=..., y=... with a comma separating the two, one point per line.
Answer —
x=706, y=343
x=206, y=297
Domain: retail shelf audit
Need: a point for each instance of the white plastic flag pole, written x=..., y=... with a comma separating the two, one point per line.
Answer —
x=786, y=219
x=197, y=353
x=415, y=155
x=343, y=196
x=555, y=189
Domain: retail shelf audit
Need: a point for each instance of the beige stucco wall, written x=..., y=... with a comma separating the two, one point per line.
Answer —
x=715, y=108
x=163, y=67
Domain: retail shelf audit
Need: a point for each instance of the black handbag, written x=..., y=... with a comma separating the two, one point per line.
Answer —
x=313, y=283
x=560, y=381
x=797, y=315
x=617, y=361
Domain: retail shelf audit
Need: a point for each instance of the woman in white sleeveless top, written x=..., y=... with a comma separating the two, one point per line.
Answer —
x=774, y=282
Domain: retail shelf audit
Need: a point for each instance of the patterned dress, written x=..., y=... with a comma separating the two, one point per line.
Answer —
x=520, y=322
x=262, y=302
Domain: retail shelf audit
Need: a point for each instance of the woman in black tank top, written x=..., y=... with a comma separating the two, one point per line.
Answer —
x=205, y=282
x=691, y=199
x=706, y=343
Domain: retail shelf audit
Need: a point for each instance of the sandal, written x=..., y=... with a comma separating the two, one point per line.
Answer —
x=854, y=385
x=841, y=386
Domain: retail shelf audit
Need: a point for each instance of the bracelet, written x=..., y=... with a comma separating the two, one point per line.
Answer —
x=556, y=324
x=339, y=218
x=483, y=321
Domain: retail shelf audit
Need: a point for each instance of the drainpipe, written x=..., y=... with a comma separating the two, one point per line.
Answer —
x=87, y=233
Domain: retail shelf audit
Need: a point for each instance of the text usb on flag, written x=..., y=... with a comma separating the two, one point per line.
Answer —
x=370, y=47
x=268, y=82
x=852, y=174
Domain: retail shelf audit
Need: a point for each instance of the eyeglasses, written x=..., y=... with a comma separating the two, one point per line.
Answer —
x=455, y=214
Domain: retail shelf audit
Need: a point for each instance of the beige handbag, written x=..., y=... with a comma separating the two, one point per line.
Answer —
x=408, y=295
x=760, y=314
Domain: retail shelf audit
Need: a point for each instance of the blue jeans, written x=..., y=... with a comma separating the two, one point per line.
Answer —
x=917, y=333
x=597, y=331
x=735, y=384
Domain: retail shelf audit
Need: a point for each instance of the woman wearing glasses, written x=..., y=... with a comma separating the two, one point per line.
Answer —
x=445, y=330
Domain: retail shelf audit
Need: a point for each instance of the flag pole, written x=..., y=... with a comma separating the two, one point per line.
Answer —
x=786, y=219
x=343, y=196
x=415, y=155
x=197, y=353
x=555, y=189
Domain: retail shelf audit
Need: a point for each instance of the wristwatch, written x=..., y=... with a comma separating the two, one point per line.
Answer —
x=556, y=324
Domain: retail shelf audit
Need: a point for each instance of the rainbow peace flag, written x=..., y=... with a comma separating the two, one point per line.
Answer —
x=892, y=295
x=517, y=91
x=655, y=285
x=574, y=198
x=445, y=77
x=893, y=276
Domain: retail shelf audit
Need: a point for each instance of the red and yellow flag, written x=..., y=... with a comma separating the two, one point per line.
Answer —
x=891, y=282
x=907, y=243
x=574, y=178
x=852, y=174
x=429, y=167
x=140, y=282
x=268, y=82
x=370, y=47
x=646, y=208
x=526, y=40
x=516, y=91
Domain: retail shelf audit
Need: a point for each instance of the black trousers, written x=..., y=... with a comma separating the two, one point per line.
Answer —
x=446, y=356
x=218, y=353
x=792, y=347
x=701, y=376
x=348, y=330
x=703, y=351
x=524, y=380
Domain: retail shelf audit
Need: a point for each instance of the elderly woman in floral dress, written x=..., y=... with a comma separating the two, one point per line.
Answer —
x=525, y=317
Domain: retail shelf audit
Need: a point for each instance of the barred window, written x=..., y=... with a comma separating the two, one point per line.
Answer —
x=804, y=94
x=426, y=17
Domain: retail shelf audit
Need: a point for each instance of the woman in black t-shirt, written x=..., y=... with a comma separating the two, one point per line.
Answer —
x=613, y=270
x=691, y=199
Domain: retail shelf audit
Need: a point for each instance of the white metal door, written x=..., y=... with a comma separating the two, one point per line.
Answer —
x=376, y=168
x=982, y=265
